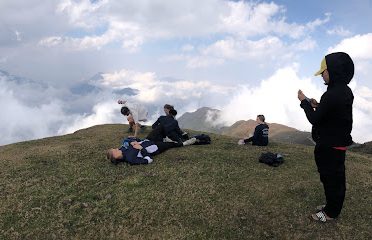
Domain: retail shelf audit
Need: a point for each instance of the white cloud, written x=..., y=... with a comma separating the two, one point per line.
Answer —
x=187, y=48
x=153, y=90
x=362, y=114
x=24, y=122
x=318, y=22
x=251, y=19
x=18, y=35
x=339, y=31
x=358, y=47
x=3, y=59
x=104, y=112
x=126, y=33
x=275, y=97
x=81, y=13
x=133, y=24
x=269, y=48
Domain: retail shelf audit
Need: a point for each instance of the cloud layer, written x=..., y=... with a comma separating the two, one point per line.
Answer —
x=275, y=97
x=243, y=57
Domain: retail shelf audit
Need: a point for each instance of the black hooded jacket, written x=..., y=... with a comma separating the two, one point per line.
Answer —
x=261, y=135
x=170, y=127
x=333, y=118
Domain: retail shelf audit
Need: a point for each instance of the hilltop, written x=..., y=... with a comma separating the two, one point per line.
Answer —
x=204, y=119
x=363, y=148
x=62, y=188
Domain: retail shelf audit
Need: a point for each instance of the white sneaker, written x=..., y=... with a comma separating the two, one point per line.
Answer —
x=241, y=142
x=191, y=141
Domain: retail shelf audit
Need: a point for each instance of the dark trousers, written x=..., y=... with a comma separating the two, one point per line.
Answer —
x=247, y=140
x=157, y=135
x=331, y=167
x=163, y=146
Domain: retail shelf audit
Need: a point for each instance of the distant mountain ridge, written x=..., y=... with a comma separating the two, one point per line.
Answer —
x=200, y=120
x=203, y=120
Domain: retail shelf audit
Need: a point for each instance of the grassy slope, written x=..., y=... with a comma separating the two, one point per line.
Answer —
x=62, y=187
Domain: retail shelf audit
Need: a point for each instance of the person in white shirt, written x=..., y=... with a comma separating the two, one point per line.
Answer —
x=135, y=114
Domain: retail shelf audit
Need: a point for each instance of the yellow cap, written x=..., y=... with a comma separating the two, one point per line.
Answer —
x=323, y=66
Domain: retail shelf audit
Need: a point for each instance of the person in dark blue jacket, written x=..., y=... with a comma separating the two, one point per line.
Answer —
x=138, y=152
x=261, y=133
x=135, y=151
x=332, y=120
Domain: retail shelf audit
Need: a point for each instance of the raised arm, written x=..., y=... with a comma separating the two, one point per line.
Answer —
x=315, y=115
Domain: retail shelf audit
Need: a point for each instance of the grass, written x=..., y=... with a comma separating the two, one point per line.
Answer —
x=63, y=188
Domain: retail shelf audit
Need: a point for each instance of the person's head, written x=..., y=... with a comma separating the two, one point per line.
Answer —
x=173, y=112
x=125, y=111
x=336, y=68
x=323, y=71
x=260, y=118
x=114, y=155
x=167, y=108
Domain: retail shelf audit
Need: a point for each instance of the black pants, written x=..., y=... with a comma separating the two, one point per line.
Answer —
x=157, y=135
x=248, y=140
x=163, y=146
x=331, y=167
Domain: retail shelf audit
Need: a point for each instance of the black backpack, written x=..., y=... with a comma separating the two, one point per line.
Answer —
x=202, y=139
x=271, y=159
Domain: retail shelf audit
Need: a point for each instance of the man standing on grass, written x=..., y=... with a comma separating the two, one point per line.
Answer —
x=332, y=120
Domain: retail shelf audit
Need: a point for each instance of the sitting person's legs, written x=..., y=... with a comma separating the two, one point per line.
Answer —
x=163, y=146
x=156, y=135
x=247, y=140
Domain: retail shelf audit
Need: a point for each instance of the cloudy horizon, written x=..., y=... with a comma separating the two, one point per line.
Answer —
x=63, y=64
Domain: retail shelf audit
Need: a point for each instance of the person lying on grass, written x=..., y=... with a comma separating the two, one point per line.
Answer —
x=135, y=151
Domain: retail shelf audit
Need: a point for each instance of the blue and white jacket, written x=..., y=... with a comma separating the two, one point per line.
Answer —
x=134, y=156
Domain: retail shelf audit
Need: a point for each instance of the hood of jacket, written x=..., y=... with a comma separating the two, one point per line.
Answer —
x=340, y=67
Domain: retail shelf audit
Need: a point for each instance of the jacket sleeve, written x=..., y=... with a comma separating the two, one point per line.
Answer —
x=155, y=124
x=134, y=159
x=316, y=116
x=257, y=133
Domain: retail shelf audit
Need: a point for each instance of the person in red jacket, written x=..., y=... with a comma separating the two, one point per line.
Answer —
x=332, y=120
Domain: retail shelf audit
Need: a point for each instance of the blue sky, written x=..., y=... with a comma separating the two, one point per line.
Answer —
x=243, y=57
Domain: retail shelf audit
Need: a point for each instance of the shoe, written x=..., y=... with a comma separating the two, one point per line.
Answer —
x=191, y=141
x=241, y=142
x=321, y=217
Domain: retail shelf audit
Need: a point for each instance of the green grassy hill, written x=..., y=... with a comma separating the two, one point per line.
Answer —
x=62, y=188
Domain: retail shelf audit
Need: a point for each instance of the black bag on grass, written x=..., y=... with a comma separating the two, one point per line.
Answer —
x=271, y=159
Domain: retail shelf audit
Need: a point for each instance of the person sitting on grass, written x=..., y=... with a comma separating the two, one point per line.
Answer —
x=170, y=127
x=261, y=133
x=135, y=151
x=135, y=114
